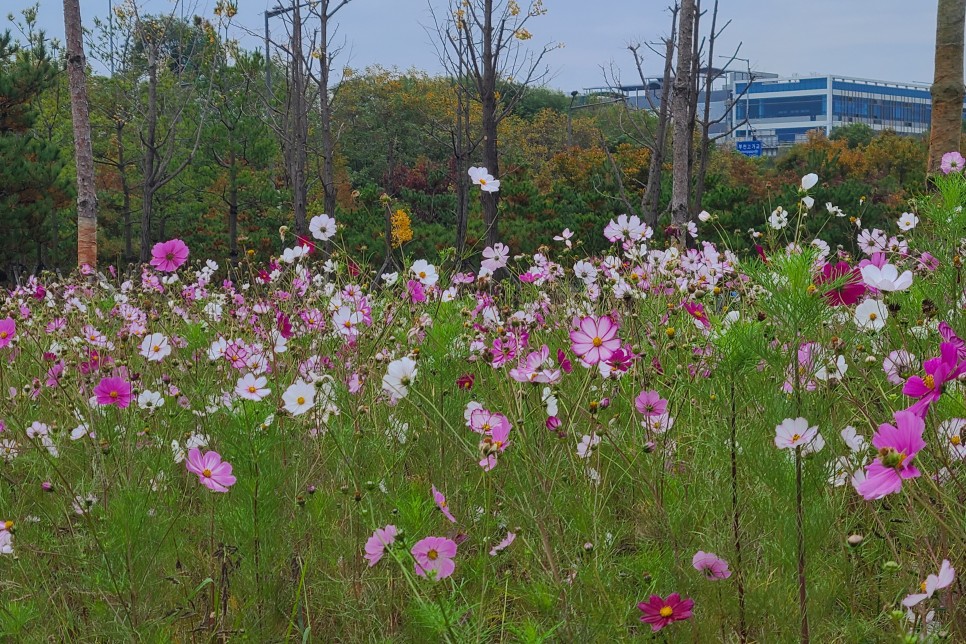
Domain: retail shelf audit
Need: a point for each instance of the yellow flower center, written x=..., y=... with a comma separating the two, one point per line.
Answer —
x=206, y=473
x=667, y=611
x=422, y=275
x=7, y=525
x=482, y=182
x=300, y=400
x=252, y=389
x=796, y=438
x=929, y=381
x=113, y=394
x=598, y=342
x=432, y=555
x=486, y=427
x=3, y=335
x=873, y=317
x=922, y=586
x=155, y=348
x=956, y=440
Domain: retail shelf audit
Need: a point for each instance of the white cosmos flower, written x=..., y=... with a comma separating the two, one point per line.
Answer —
x=299, y=397
x=322, y=227
x=148, y=399
x=252, y=387
x=390, y=278
x=871, y=315
x=886, y=278
x=907, y=221
x=399, y=376
x=485, y=180
x=778, y=218
x=809, y=181
x=424, y=272
x=155, y=347
x=794, y=432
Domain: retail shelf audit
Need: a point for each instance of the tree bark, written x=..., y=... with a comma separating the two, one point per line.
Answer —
x=652, y=194
x=150, y=156
x=325, y=116
x=491, y=200
x=83, y=151
x=945, y=134
x=300, y=128
x=681, y=119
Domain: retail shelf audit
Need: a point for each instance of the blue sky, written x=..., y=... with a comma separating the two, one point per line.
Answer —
x=879, y=39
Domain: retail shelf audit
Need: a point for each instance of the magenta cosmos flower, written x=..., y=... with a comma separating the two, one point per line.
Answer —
x=440, y=500
x=8, y=329
x=434, y=557
x=848, y=292
x=169, y=256
x=113, y=391
x=213, y=473
x=898, y=445
x=938, y=371
x=659, y=612
x=650, y=403
x=381, y=539
x=595, y=339
x=952, y=162
x=713, y=566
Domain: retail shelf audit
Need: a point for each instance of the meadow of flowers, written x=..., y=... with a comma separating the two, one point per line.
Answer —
x=665, y=442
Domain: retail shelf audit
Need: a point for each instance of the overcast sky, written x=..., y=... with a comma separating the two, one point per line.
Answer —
x=876, y=39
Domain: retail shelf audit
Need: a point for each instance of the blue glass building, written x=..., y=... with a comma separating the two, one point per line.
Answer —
x=781, y=111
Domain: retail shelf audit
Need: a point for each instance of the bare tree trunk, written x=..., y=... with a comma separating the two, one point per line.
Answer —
x=150, y=156
x=233, y=207
x=83, y=151
x=300, y=128
x=680, y=117
x=705, y=148
x=945, y=134
x=652, y=195
x=325, y=117
x=491, y=200
x=461, y=137
x=125, y=192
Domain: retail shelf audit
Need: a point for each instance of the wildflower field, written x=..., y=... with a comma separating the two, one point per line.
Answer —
x=665, y=442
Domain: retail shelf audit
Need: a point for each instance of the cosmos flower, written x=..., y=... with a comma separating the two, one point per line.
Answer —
x=440, y=501
x=659, y=612
x=713, y=566
x=434, y=557
x=932, y=583
x=794, y=432
x=485, y=180
x=168, y=256
x=595, y=339
x=381, y=539
x=898, y=445
x=113, y=391
x=213, y=473
x=399, y=375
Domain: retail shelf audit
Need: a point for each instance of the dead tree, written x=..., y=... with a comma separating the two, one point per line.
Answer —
x=483, y=39
x=83, y=151
x=681, y=118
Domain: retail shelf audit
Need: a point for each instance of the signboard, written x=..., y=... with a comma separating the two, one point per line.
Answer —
x=749, y=148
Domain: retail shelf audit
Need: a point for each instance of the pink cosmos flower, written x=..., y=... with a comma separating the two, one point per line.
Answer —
x=794, y=432
x=252, y=387
x=952, y=162
x=950, y=336
x=434, y=557
x=659, y=612
x=8, y=329
x=485, y=421
x=898, y=365
x=650, y=403
x=713, y=566
x=381, y=539
x=213, y=473
x=507, y=540
x=848, y=293
x=898, y=445
x=595, y=339
x=493, y=444
x=938, y=371
x=416, y=291
x=113, y=391
x=933, y=583
x=440, y=500
x=169, y=256
x=696, y=311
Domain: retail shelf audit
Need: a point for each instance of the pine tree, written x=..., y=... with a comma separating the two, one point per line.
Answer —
x=32, y=187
